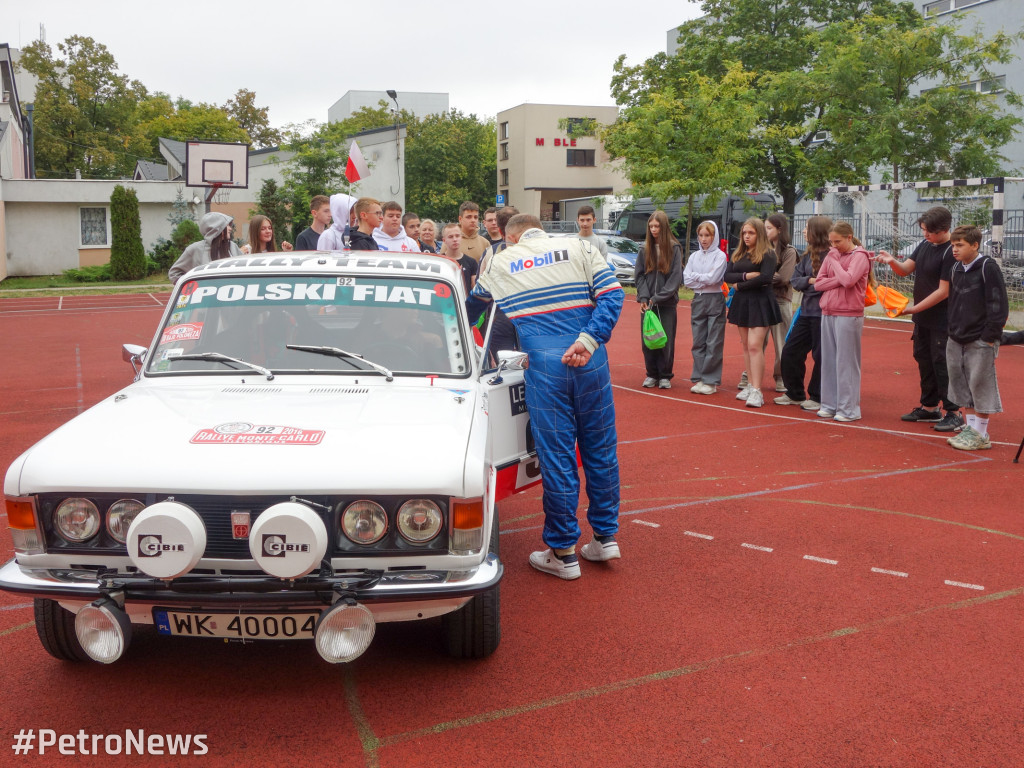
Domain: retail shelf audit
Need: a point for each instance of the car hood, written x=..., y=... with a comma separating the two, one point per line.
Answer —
x=386, y=437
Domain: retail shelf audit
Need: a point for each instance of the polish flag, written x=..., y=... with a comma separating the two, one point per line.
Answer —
x=356, y=168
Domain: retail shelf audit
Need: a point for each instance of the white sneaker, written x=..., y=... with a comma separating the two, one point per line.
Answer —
x=664, y=384
x=548, y=562
x=845, y=419
x=597, y=552
x=649, y=382
x=780, y=385
x=810, y=405
x=755, y=399
x=786, y=400
x=696, y=387
x=743, y=394
x=706, y=389
x=825, y=413
x=744, y=383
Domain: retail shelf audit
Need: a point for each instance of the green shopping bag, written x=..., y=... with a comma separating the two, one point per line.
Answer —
x=653, y=332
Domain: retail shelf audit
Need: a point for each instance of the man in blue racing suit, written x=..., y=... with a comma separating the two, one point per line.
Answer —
x=564, y=302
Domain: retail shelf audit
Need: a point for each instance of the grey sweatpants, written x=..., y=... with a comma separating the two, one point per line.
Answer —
x=707, y=327
x=840, y=364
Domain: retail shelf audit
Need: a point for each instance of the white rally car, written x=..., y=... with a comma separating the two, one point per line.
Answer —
x=313, y=443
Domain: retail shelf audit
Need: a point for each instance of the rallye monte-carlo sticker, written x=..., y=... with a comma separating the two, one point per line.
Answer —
x=244, y=433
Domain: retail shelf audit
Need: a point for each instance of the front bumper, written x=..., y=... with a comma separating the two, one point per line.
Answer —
x=253, y=591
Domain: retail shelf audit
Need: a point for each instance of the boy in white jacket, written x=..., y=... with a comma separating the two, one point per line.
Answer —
x=703, y=275
x=390, y=235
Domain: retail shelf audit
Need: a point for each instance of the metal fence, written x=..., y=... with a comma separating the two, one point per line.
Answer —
x=877, y=232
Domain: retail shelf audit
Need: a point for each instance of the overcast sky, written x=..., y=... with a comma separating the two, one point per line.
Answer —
x=301, y=57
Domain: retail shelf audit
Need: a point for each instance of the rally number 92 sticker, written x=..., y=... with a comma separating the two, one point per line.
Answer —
x=244, y=433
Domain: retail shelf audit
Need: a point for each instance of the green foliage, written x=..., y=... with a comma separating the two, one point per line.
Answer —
x=180, y=210
x=255, y=121
x=85, y=111
x=206, y=122
x=127, y=256
x=98, y=273
x=163, y=254
x=273, y=204
x=186, y=233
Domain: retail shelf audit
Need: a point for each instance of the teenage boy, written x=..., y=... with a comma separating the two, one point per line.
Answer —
x=390, y=235
x=451, y=248
x=978, y=308
x=369, y=215
x=473, y=245
x=320, y=207
x=931, y=264
x=411, y=225
x=585, y=218
x=491, y=226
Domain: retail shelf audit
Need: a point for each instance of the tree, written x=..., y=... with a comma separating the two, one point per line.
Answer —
x=688, y=139
x=127, y=256
x=450, y=158
x=777, y=42
x=253, y=120
x=179, y=210
x=206, y=122
x=85, y=111
x=896, y=100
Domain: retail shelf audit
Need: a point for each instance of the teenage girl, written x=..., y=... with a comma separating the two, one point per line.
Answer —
x=805, y=335
x=261, y=236
x=658, y=274
x=776, y=227
x=703, y=276
x=754, y=308
x=842, y=282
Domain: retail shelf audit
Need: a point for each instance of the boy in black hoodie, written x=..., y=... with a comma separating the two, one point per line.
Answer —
x=978, y=309
x=369, y=214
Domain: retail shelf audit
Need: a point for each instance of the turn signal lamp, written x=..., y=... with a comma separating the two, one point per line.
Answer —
x=467, y=526
x=21, y=519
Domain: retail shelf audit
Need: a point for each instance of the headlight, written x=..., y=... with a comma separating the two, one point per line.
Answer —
x=364, y=522
x=419, y=520
x=77, y=520
x=120, y=516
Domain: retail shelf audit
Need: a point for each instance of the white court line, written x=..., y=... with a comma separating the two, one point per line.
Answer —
x=805, y=420
x=15, y=607
x=965, y=586
x=759, y=549
x=699, y=535
x=60, y=303
x=890, y=573
x=821, y=560
x=154, y=298
x=645, y=522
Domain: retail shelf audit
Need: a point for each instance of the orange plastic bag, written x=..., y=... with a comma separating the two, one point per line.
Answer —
x=870, y=297
x=892, y=300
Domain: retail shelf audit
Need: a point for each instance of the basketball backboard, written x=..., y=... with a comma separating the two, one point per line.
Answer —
x=216, y=164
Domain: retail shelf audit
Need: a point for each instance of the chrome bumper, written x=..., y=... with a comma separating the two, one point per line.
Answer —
x=68, y=584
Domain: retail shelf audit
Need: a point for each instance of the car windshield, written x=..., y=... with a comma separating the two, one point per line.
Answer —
x=622, y=245
x=234, y=323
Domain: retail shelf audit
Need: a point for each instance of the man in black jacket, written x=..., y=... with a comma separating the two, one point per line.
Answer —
x=369, y=214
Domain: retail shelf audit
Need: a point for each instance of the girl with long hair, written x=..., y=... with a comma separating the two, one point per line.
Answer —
x=703, y=276
x=753, y=309
x=805, y=335
x=261, y=236
x=776, y=227
x=658, y=275
x=842, y=282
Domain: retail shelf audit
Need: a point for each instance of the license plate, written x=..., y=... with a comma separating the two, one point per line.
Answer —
x=237, y=626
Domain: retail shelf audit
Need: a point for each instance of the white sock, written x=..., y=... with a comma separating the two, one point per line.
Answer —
x=971, y=419
x=981, y=425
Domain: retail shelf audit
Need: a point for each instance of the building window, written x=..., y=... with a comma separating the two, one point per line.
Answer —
x=504, y=177
x=579, y=157
x=95, y=227
x=504, y=194
x=504, y=151
x=945, y=6
x=504, y=130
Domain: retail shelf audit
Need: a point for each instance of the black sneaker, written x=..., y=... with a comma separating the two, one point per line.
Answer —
x=951, y=422
x=921, y=414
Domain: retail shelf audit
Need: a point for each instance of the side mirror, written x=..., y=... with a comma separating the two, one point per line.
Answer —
x=134, y=354
x=513, y=360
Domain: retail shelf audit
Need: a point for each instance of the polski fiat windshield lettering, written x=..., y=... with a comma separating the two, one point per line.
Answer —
x=361, y=261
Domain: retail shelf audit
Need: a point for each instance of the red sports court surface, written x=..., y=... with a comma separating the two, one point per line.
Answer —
x=792, y=592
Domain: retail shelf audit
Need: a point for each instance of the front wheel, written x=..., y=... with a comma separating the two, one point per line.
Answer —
x=56, y=629
x=474, y=631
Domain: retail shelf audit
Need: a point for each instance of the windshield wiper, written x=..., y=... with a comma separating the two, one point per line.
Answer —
x=335, y=352
x=220, y=357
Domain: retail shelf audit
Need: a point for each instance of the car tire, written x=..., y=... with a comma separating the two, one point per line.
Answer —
x=474, y=631
x=56, y=629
